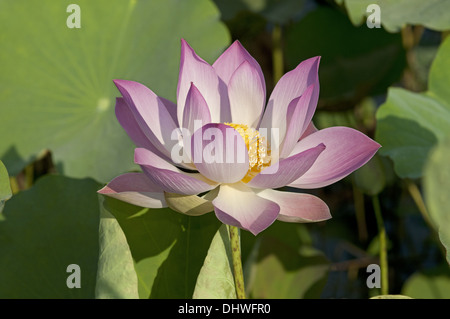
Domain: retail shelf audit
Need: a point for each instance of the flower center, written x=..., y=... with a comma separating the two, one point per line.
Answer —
x=258, y=150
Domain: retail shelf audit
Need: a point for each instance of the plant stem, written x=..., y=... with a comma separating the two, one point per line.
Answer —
x=418, y=200
x=414, y=191
x=237, y=263
x=277, y=54
x=383, y=246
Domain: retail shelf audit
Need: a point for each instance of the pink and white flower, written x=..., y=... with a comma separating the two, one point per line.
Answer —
x=229, y=100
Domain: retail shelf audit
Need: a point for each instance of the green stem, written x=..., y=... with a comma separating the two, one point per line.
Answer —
x=414, y=191
x=418, y=200
x=383, y=246
x=237, y=263
x=277, y=54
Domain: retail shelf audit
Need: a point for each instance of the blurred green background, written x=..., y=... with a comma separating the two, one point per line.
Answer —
x=60, y=142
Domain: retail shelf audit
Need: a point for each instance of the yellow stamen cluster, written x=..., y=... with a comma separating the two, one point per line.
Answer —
x=258, y=150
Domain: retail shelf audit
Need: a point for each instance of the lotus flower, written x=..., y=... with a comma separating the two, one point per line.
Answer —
x=208, y=153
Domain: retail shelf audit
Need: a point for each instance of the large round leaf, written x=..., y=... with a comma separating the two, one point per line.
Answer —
x=57, y=223
x=215, y=280
x=5, y=187
x=437, y=188
x=56, y=89
x=410, y=124
x=429, y=284
x=116, y=276
x=168, y=248
x=43, y=231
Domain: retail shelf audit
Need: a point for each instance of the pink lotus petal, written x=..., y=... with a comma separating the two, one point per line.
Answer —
x=194, y=69
x=233, y=90
x=292, y=85
x=237, y=205
x=287, y=170
x=231, y=59
x=226, y=65
x=126, y=119
x=297, y=207
x=299, y=114
x=195, y=109
x=196, y=114
x=346, y=150
x=150, y=113
x=247, y=95
x=171, y=108
x=309, y=130
x=219, y=153
x=136, y=189
x=170, y=178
